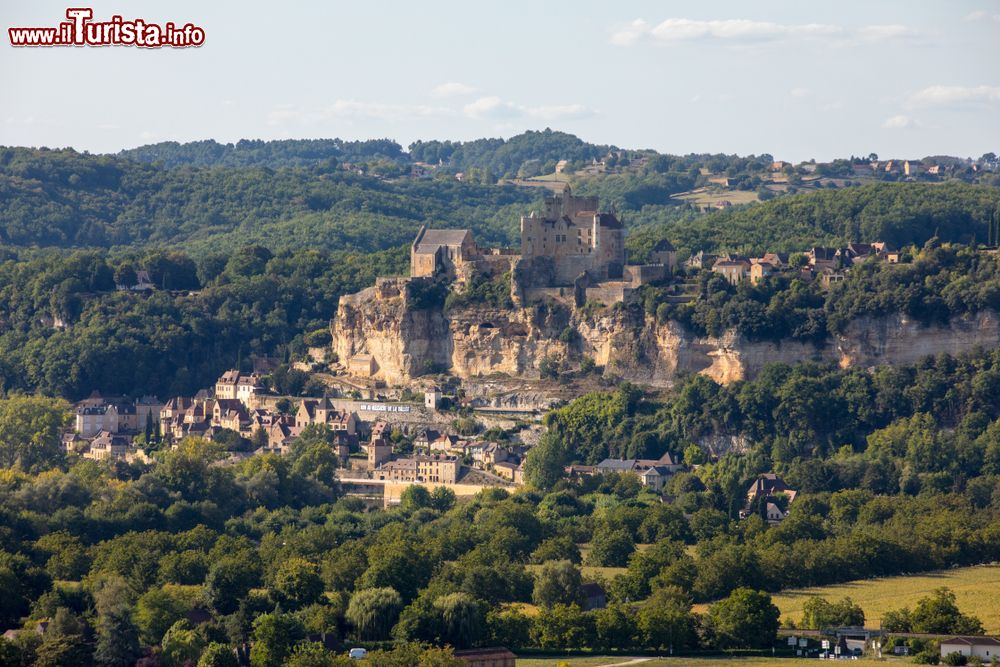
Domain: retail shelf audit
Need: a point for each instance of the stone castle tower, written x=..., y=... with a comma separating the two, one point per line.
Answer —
x=576, y=237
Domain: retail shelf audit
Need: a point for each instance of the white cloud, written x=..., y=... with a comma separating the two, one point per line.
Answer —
x=355, y=109
x=879, y=33
x=800, y=92
x=492, y=107
x=898, y=122
x=630, y=34
x=982, y=15
x=452, y=89
x=682, y=30
x=678, y=30
x=739, y=29
x=559, y=112
x=955, y=95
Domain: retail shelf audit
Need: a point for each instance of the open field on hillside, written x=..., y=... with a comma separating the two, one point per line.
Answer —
x=977, y=590
x=703, y=197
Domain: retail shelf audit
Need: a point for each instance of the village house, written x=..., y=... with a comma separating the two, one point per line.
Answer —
x=825, y=258
x=343, y=444
x=652, y=473
x=700, y=260
x=115, y=414
x=231, y=414
x=767, y=265
x=423, y=439
x=510, y=471
x=764, y=490
x=446, y=444
x=321, y=411
x=237, y=386
x=734, y=269
x=986, y=648
x=378, y=451
x=107, y=446
x=439, y=469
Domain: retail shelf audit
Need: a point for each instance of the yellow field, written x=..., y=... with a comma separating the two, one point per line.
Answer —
x=977, y=590
x=693, y=662
x=572, y=662
x=708, y=198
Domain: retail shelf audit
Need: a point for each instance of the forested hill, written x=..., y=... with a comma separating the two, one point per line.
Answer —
x=258, y=153
x=61, y=198
x=899, y=213
x=498, y=156
x=505, y=157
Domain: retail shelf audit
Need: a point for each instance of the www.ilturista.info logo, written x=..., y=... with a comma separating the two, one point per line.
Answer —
x=80, y=30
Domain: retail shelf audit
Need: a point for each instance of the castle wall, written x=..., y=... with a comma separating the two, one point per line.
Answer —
x=608, y=293
x=422, y=264
x=558, y=294
x=643, y=274
x=569, y=267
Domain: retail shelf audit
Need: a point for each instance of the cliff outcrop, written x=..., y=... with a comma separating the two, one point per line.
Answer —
x=406, y=342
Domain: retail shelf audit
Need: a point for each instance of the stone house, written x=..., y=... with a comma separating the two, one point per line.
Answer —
x=700, y=260
x=236, y=386
x=435, y=469
x=321, y=411
x=652, y=473
x=734, y=269
x=107, y=446
x=362, y=365
x=379, y=451
x=444, y=251
x=116, y=415
x=766, y=487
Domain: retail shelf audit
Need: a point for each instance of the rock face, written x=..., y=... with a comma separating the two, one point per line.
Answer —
x=470, y=342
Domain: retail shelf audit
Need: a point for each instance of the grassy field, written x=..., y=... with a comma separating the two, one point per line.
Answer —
x=708, y=198
x=694, y=662
x=977, y=590
x=572, y=662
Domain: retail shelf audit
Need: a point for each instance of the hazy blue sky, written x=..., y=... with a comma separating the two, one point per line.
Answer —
x=796, y=79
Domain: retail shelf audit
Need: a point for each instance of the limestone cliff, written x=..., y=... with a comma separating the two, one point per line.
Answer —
x=406, y=342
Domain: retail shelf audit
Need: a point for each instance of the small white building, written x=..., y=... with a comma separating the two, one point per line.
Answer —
x=985, y=647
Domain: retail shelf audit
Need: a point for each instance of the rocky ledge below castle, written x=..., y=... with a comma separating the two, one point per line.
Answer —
x=389, y=340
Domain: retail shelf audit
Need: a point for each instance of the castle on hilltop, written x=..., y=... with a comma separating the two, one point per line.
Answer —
x=572, y=244
x=576, y=237
x=571, y=255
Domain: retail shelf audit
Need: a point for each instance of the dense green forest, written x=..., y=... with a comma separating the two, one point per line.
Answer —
x=67, y=199
x=207, y=317
x=273, y=154
x=937, y=284
x=897, y=213
x=897, y=471
x=61, y=198
x=250, y=246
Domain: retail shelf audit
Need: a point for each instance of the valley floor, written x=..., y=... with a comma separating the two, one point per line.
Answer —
x=691, y=662
x=977, y=590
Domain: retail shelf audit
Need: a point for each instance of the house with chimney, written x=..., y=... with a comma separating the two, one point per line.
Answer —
x=763, y=495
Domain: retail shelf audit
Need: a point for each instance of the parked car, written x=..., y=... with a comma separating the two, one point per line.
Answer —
x=357, y=653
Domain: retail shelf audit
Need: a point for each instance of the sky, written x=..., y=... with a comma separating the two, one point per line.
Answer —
x=798, y=80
